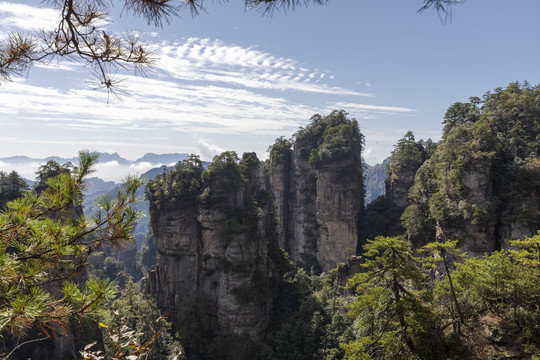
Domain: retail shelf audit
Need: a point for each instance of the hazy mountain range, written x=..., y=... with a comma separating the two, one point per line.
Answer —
x=111, y=167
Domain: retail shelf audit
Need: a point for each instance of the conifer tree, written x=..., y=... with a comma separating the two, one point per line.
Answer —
x=44, y=246
x=391, y=305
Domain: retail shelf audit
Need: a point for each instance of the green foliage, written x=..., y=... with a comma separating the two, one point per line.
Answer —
x=194, y=328
x=446, y=253
x=309, y=319
x=180, y=185
x=379, y=218
x=112, y=269
x=332, y=138
x=407, y=156
x=146, y=257
x=504, y=283
x=417, y=218
x=490, y=145
x=137, y=315
x=223, y=175
x=280, y=151
x=12, y=186
x=392, y=306
x=382, y=216
x=44, y=244
x=48, y=171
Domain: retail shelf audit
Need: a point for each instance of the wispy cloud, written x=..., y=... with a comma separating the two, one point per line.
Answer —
x=198, y=86
x=25, y=17
x=206, y=149
x=214, y=61
x=365, y=108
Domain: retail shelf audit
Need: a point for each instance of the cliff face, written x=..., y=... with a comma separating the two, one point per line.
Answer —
x=397, y=187
x=301, y=220
x=339, y=203
x=220, y=248
x=476, y=237
x=319, y=192
x=480, y=186
x=407, y=157
x=178, y=243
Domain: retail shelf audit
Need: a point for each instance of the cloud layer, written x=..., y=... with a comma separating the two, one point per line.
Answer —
x=203, y=95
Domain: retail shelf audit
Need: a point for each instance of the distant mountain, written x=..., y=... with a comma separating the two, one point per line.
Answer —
x=103, y=158
x=30, y=183
x=152, y=173
x=96, y=185
x=374, y=181
x=162, y=158
x=106, y=157
x=111, y=166
x=17, y=159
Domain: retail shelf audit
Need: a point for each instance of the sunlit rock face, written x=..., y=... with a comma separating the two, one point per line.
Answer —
x=318, y=191
x=481, y=186
x=477, y=238
x=338, y=205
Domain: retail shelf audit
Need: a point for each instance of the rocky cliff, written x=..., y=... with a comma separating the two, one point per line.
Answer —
x=318, y=190
x=480, y=186
x=216, y=236
x=407, y=157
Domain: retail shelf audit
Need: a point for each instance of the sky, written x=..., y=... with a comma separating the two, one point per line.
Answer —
x=231, y=79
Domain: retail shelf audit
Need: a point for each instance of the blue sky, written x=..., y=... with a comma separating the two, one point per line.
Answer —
x=233, y=80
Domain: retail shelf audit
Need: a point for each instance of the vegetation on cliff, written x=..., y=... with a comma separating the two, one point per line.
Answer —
x=482, y=173
x=181, y=185
x=426, y=295
x=382, y=215
x=332, y=138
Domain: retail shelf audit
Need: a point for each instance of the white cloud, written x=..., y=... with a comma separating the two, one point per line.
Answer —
x=367, y=153
x=143, y=166
x=205, y=149
x=199, y=86
x=371, y=108
x=62, y=66
x=108, y=164
x=214, y=61
x=28, y=18
x=155, y=104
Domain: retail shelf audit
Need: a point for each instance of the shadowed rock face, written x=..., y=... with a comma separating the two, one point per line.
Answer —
x=397, y=187
x=220, y=248
x=301, y=220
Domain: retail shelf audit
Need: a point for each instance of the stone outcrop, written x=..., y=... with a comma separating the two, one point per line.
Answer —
x=319, y=193
x=477, y=238
x=398, y=185
x=301, y=221
x=480, y=186
x=339, y=204
x=407, y=157
x=219, y=247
